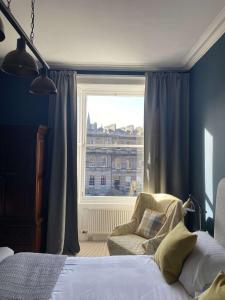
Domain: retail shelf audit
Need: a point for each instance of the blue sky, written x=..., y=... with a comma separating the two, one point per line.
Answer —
x=122, y=110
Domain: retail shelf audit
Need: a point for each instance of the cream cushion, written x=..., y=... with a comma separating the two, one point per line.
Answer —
x=207, y=255
x=129, y=244
x=5, y=252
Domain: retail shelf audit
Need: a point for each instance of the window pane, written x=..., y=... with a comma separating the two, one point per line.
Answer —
x=121, y=175
x=113, y=120
x=114, y=151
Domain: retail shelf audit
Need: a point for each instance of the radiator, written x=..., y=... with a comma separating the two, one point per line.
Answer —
x=103, y=221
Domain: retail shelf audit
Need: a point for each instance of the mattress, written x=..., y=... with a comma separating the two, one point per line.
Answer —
x=114, y=278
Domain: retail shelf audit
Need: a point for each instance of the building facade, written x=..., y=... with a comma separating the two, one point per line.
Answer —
x=114, y=160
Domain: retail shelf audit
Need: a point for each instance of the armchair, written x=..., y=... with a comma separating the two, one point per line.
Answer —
x=124, y=240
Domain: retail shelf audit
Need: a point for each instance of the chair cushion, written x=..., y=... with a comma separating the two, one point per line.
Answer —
x=151, y=223
x=130, y=244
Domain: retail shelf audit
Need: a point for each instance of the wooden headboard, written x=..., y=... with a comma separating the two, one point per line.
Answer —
x=219, y=230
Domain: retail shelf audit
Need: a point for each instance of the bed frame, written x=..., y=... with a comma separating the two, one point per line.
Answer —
x=219, y=232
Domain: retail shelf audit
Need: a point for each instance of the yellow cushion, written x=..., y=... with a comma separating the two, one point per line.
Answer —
x=217, y=290
x=173, y=250
x=151, y=223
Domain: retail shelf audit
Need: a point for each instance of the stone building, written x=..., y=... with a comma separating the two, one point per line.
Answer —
x=112, y=169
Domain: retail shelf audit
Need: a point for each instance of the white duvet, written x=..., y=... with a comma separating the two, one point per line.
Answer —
x=114, y=278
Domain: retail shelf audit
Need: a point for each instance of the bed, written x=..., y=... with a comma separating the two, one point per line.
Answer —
x=113, y=277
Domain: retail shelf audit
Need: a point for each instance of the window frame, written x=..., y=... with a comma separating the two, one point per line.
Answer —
x=101, y=85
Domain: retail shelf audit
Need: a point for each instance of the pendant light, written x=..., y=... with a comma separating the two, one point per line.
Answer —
x=2, y=33
x=43, y=85
x=19, y=62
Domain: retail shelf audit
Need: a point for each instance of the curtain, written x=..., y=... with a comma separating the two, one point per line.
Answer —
x=166, y=136
x=62, y=231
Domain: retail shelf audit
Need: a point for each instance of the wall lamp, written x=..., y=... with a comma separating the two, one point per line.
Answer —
x=19, y=62
x=190, y=206
x=2, y=32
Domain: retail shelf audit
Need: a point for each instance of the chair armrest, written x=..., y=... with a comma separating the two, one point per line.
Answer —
x=152, y=244
x=127, y=228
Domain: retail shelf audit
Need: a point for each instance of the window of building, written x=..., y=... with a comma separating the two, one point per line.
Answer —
x=117, y=184
x=117, y=162
x=111, y=139
x=91, y=161
x=103, y=160
x=128, y=164
x=91, y=180
x=103, y=180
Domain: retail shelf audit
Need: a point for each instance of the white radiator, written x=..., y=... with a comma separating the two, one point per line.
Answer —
x=103, y=221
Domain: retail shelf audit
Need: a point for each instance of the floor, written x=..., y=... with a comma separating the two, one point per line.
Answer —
x=93, y=249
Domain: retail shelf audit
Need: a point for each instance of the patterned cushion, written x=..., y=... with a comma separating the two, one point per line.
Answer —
x=150, y=224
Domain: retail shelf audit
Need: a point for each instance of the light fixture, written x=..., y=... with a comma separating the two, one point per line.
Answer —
x=190, y=206
x=43, y=85
x=19, y=62
x=2, y=33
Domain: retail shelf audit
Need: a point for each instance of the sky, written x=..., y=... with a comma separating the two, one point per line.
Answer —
x=122, y=110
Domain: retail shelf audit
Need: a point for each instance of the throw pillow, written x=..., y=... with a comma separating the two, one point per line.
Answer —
x=151, y=223
x=217, y=290
x=173, y=251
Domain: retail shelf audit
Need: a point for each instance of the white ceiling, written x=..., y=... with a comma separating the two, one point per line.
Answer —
x=132, y=34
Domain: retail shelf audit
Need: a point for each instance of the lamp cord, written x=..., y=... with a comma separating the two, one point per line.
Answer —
x=32, y=21
x=8, y=4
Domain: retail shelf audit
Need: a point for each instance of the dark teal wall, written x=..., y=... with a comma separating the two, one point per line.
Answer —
x=17, y=105
x=207, y=132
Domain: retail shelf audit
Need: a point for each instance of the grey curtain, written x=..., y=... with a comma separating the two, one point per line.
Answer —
x=166, y=137
x=62, y=232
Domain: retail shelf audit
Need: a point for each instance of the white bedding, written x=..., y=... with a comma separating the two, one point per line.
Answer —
x=114, y=278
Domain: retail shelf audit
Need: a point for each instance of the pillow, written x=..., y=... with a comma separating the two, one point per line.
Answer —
x=151, y=223
x=207, y=255
x=173, y=250
x=5, y=252
x=216, y=290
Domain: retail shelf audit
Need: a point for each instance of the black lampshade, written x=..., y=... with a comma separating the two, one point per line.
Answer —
x=2, y=33
x=19, y=62
x=43, y=85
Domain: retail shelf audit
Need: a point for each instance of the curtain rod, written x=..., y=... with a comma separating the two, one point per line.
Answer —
x=12, y=20
x=109, y=71
x=98, y=72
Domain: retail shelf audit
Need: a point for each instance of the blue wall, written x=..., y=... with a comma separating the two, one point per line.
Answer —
x=207, y=132
x=17, y=106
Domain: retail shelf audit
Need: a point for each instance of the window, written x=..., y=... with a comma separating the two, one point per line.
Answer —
x=91, y=180
x=111, y=140
x=91, y=161
x=103, y=160
x=117, y=162
x=117, y=184
x=128, y=164
x=103, y=180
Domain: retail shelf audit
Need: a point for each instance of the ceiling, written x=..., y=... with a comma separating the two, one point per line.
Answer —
x=120, y=34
